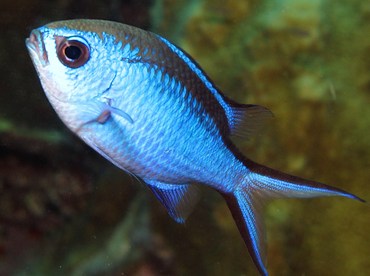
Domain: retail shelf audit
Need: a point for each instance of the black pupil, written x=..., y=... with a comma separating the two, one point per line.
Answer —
x=73, y=52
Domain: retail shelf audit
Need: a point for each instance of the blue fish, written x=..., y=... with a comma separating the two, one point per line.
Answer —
x=147, y=106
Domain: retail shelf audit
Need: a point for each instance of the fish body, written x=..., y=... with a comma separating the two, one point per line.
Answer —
x=146, y=106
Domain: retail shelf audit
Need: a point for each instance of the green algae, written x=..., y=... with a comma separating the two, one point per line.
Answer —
x=47, y=136
x=306, y=60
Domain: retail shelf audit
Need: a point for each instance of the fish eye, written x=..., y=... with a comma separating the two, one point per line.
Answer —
x=73, y=52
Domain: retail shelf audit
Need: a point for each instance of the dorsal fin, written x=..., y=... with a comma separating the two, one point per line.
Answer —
x=248, y=119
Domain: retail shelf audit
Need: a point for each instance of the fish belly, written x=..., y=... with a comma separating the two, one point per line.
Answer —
x=171, y=138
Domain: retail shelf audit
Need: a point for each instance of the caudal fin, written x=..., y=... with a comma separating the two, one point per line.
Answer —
x=262, y=183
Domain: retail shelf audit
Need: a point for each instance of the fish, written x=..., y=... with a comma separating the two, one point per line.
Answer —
x=145, y=105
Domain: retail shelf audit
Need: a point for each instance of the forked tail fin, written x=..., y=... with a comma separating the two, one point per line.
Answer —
x=262, y=183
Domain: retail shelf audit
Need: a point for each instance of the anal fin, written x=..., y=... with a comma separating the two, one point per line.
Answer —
x=179, y=199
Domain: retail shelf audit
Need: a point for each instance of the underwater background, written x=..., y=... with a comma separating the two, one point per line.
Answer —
x=66, y=210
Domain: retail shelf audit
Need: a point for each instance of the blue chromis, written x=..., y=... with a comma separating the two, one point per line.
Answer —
x=147, y=106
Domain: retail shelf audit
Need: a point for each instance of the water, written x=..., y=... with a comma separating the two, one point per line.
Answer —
x=63, y=209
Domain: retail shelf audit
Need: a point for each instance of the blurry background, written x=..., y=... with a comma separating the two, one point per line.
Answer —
x=65, y=210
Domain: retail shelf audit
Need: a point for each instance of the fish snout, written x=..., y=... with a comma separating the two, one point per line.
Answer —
x=36, y=47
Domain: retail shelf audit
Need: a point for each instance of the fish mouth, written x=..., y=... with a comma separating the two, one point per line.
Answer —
x=36, y=47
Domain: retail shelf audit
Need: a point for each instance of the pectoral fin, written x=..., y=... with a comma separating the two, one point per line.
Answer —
x=179, y=200
x=106, y=111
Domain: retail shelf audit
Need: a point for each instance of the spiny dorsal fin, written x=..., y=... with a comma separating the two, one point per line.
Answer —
x=179, y=200
x=248, y=119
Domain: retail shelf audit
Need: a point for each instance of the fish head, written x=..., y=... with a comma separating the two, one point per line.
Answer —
x=75, y=61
